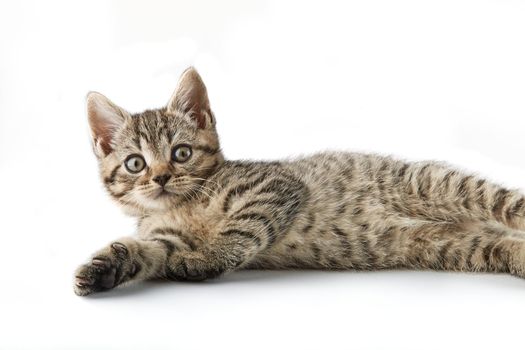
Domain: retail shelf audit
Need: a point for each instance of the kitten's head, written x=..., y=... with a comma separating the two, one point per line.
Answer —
x=160, y=158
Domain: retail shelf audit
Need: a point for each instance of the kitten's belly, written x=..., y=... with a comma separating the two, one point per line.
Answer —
x=337, y=244
x=319, y=249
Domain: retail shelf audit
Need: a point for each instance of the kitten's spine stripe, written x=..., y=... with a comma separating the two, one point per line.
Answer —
x=445, y=183
x=481, y=197
x=462, y=187
x=515, y=210
x=500, y=199
x=424, y=182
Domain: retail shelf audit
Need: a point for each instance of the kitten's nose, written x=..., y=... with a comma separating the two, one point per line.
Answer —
x=162, y=179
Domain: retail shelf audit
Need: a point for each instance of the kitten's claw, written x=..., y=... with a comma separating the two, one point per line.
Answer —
x=100, y=262
x=81, y=282
x=120, y=248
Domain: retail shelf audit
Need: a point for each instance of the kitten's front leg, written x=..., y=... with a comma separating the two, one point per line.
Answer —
x=223, y=255
x=235, y=245
x=122, y=261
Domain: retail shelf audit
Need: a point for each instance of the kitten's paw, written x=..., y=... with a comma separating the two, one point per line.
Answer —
x=106, y=270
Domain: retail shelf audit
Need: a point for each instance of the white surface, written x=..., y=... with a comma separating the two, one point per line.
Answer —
x=420, y=79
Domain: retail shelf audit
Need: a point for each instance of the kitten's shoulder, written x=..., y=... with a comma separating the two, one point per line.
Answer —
x=242, y=168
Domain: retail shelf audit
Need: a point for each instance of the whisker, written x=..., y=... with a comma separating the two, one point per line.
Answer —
x=203, y=188
x=203, y=192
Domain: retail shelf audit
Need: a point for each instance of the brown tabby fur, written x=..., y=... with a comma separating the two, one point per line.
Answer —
x=326, y=211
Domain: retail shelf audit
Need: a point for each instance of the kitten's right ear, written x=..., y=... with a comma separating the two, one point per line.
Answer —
x=105, y=119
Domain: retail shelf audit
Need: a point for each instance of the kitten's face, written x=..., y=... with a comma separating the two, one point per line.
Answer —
x=158, y=159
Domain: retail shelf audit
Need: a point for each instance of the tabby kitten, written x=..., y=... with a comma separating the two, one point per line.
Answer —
x=200, y=216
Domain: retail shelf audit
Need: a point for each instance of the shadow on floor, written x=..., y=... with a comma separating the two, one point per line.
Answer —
x=277, y=279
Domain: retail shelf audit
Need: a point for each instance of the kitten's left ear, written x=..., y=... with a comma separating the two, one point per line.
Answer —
x=191, y=98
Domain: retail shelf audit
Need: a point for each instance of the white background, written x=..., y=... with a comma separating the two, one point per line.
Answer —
x=419, y=79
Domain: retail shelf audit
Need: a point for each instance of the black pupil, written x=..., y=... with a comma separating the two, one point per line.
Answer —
x=182, y=153
x=134, y=164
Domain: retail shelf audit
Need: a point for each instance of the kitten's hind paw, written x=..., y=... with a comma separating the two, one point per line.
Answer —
x=107, y=269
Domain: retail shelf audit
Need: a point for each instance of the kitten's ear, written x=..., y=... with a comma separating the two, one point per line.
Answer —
x=105, y=119
x=191, y=98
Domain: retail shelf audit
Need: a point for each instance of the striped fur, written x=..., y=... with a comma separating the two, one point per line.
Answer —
x=326, y=211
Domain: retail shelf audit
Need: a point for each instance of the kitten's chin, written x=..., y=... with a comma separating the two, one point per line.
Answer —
x=161, y=201
x=158, y=203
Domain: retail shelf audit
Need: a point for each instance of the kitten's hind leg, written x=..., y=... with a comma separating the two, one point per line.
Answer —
x=475, y=247
x=439, y=193
x=122, y=261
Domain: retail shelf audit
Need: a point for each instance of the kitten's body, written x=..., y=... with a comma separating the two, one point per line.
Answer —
x=330, y=210
x=349, y=212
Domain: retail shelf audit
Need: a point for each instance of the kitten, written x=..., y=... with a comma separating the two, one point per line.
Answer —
x=200, y=216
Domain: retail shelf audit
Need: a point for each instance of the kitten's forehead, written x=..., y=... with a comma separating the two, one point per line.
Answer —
x=154, y=130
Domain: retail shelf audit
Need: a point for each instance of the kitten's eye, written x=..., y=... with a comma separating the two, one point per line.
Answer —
x=135, y=163
x=181, y=153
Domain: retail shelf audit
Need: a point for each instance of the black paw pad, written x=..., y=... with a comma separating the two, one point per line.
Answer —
x=98, y=276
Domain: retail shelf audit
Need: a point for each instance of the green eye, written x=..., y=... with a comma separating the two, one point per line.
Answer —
x=181, y=153
x=135, y=163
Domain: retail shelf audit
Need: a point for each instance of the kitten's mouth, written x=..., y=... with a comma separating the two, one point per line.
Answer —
x=163, y=193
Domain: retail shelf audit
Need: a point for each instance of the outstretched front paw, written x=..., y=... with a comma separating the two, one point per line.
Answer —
x=107, y=269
